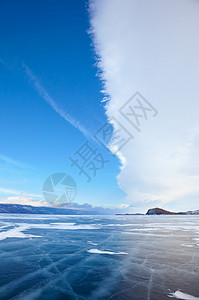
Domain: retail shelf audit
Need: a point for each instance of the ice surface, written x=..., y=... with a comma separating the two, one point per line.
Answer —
x=82, y=257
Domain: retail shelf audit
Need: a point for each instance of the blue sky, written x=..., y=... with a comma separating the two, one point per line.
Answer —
x=50, y=39
x=51, y=98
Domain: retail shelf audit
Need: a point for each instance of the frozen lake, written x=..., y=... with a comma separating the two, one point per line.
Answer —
x=99, y=257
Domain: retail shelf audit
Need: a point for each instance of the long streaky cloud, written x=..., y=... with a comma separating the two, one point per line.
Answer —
x=44, y=94
x=1, y=61
x=21, y=193
x=13, y=162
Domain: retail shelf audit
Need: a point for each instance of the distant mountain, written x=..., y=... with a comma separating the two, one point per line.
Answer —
x=195, y=212
x=160, y=211
x=28, y=209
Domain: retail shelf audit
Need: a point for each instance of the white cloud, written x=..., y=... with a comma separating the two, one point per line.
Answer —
x=123, y=205
x=152, y=47
x=44, y=94
x=102, y=210
x=23, y=200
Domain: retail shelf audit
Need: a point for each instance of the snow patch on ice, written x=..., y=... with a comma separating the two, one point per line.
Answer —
x=16, y=232
x=19, y=228
x=187, y=245
x=96, y=251
x=91, y=243
x=180, y=295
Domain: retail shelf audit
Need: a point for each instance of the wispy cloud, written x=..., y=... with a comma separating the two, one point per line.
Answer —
x=15, y=192
x=1, y=61
x=44, y=94
x=13, y=162
x=5, y=64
